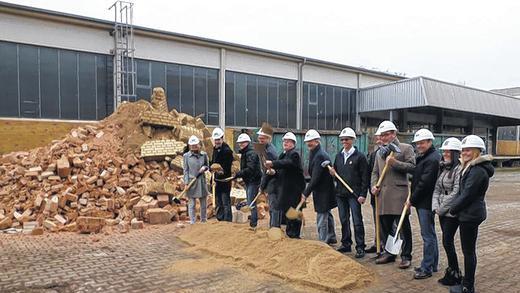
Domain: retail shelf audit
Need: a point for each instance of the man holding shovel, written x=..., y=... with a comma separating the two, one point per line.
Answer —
x=222, y=155
x=322, y=187
x=423, y=184
x=290, y=182
x=269, y=178
x=392, y=189
x=351, y=165
x=250, y=172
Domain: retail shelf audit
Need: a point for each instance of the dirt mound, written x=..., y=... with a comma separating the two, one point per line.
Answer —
x=302, y=261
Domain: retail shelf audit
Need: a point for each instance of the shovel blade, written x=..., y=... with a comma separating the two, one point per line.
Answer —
x=292, y=214
x=275, y=234
x=245, y=209
x=393, y=245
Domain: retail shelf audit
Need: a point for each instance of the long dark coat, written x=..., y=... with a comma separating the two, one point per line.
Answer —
x=224, y=157
x=289, y=180
x=321, y=184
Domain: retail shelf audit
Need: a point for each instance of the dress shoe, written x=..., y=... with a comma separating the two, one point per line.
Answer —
x=421, y=275
x=331, y=242
x=385, y=258
x=405, y=263
x=360, y=253
x=344, y=249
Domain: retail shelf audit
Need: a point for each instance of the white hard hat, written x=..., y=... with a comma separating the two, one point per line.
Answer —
x=347, y=132
x=473, y=141
x=385, y=126
x=451, y=144
x=289, y=135
x=311, y=135
x=422, y=134
x=243, y=137
x=217, y=133
x=193, y=140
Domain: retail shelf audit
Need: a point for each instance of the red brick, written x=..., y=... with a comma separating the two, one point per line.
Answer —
x=63, y=167
x=90, y=224
x=159, y=216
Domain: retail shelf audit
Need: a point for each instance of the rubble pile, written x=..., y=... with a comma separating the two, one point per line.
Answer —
x=117, y=174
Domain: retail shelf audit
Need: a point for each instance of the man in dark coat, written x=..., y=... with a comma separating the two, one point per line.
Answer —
x=268, y=183
x=371, y=160
x=351, y=165
x=222, y=155
x=322, y=187
x=423, y=184
x=290, y=182
x=250, y=173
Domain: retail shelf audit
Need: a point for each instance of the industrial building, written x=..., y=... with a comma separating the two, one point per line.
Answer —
x=62, y=67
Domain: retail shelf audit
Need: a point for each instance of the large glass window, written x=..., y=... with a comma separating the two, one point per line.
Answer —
x=189, y=89
x=253, y=99
x=327, y=107
x=40, y=82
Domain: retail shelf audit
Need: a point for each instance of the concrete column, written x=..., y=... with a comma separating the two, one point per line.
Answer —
x=299, y=96
x=222, y=90
x=358, y=115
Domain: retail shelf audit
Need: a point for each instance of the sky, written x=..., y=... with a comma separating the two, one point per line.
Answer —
x=476, y=43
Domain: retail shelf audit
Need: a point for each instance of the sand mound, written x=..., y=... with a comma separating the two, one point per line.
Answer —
x=301, y=261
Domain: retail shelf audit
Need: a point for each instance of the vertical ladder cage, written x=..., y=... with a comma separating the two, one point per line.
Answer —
x=124, y=49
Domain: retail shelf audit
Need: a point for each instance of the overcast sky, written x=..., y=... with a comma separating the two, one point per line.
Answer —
x=476, y=43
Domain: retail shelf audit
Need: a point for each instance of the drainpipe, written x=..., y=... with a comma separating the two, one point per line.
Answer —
x=299, y=94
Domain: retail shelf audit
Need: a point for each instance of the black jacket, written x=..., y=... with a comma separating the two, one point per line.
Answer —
x=290, y=182
x=321, y=184
x=250, y=170
x=224, y=157
x=469, y=205
x=353, y=172
x=268, y=183
x=424, y=178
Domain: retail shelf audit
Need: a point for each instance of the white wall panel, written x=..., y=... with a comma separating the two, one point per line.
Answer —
x=254, y=64
x=368, y=80
x=329, y=76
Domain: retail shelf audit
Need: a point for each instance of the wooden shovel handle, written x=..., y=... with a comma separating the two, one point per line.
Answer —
x=254, y=199
x=341, y=180
x=378, y=237
x=405, y=209
x=385, y=169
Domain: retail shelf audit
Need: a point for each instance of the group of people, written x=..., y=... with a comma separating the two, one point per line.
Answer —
x=451, y=184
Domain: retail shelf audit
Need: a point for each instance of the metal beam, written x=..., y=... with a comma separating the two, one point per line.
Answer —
x=222, y=90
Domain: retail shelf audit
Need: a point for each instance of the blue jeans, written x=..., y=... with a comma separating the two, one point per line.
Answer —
x=203, y=209
x=325, y=223
x=346, y=204
x=430, y=247
x=224, y=206
x=251, y=192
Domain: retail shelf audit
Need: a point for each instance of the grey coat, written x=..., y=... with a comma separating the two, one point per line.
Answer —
x=192, y=164
x=394, y=188
x=446, y=189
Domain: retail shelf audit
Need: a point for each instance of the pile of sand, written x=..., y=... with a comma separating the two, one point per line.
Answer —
x=305, y=262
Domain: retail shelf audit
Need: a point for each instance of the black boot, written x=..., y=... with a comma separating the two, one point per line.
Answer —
x=451, y=277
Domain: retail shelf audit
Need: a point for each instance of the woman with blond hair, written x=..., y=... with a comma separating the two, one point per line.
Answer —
x=446, y=190
x=469, y=205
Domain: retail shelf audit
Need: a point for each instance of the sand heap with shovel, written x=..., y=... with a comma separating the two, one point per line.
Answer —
x=306, y=262
x=119, y=172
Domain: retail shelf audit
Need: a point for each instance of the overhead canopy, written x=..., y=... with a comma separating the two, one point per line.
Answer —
x=426, y=92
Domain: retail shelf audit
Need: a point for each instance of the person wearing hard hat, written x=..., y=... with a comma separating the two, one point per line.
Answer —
x=469, y=206
x=268, y=182
x=351, y=165
x=446, y=189
x=393, y=192
x=322, y=187
x=423, y=183
x=195, y=164
x=222, y=155
x=250, y=173
x=290, y=184
x=371, y=159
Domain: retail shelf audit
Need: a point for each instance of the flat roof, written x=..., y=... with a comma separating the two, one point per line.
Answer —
x=13, y=8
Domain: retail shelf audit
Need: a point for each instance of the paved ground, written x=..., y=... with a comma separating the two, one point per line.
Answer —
x=140, y=261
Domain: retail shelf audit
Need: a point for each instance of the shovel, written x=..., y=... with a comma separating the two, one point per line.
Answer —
x=225, y=179
x=190, y=185
x=249, y=207
x=213, y=193
x=275, y=234
x=394, y=243
x=294, y=213
x=327, y=164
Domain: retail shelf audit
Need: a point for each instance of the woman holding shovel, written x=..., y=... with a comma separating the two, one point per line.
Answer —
x=469, y=205
x=195, y=164
x=446, y=189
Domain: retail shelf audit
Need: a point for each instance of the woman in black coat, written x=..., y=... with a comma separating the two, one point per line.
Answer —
x=469, y=206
